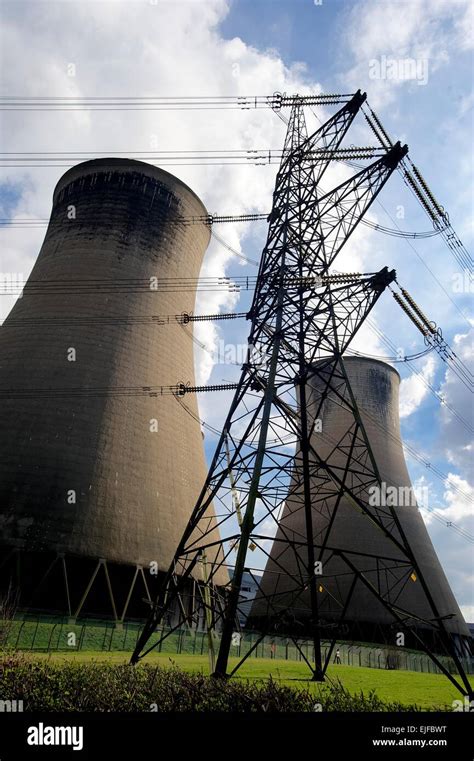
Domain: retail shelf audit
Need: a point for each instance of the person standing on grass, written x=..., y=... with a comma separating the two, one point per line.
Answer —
x=337, y=657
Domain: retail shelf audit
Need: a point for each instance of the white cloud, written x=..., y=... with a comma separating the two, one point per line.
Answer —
x=413, y=390
x=456, y=439
x=168, y=49
x=426, y=31
x=459, y=507
x=468, y=613
x=445, y=519
x=458, y=499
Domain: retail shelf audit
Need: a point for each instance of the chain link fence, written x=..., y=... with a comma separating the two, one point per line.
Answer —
x=44, y=634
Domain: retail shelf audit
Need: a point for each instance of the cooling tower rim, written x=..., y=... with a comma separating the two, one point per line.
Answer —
x=369, y=360
x=114, y=163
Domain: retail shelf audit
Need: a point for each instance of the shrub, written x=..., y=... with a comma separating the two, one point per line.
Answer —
x=70, y=686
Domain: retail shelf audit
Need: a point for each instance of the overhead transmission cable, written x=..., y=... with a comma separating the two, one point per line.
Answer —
x=433, y=335
x=166, y=103
x=425, y=265
x=428, y=385
x=223, y=156
x=176, y=285
x=414, y=180
x=424, y=195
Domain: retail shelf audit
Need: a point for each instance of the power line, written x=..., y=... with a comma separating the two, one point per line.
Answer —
x=153, y=319
x=432, y=335
x=173, y=285
x=155, y=284
x=165, y=103
x=224, y=156
x=160, y=285
x=394, y=232
x=418, y=186
x=178, y=389
x=384, y=338
x=152, y=285
x=427, y=268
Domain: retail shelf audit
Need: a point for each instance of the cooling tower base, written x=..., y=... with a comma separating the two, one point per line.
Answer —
x=75, y=586
x=362, y=632
x=79, y=587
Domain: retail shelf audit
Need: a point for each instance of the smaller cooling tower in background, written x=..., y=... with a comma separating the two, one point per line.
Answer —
x=98, y=473
x=376, y=387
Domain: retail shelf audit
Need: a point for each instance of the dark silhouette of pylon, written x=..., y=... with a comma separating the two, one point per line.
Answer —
x=303, y=318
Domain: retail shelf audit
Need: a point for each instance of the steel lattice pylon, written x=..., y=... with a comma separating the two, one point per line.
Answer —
x=303, y=318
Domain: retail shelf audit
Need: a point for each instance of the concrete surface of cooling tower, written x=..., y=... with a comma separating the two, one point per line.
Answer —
x=376, y=389
x=85, y=470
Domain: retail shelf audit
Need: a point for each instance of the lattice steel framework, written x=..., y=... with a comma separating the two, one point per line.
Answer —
x=303, y=318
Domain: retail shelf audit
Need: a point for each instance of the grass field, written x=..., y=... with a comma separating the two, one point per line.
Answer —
x=428, y=691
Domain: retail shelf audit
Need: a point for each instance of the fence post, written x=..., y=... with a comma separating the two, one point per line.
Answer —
x=34, y=634
x=105, y=636
x=50, y=636
x=125, y=636
x=59, y=635
x=19, y=633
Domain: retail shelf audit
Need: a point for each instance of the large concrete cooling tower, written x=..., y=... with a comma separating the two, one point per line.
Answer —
x=375, y=386
x=98, y=472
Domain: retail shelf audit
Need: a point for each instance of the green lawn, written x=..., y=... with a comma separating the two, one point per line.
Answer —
x=428, y=691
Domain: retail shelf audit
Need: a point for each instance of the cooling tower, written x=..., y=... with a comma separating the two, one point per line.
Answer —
x=99, y=471
x=375, y=386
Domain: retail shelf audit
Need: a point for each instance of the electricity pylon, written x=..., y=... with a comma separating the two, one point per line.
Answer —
x=302, y=316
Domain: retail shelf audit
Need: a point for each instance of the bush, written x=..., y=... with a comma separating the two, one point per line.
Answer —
x=70, y=686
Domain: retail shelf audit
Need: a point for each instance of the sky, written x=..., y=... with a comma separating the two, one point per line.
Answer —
x=248, y=47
